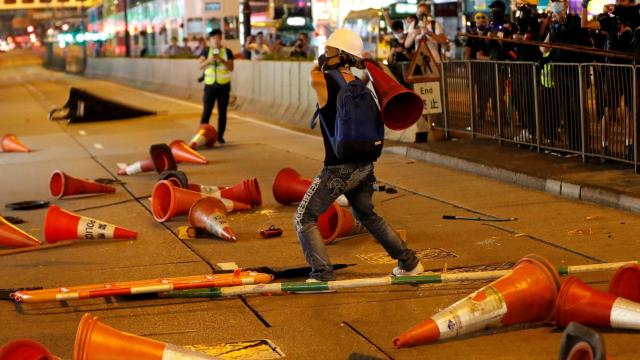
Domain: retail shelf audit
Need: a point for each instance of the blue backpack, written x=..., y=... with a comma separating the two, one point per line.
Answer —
x=359, y=131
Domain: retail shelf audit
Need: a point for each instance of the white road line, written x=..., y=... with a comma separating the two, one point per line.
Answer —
x=98, y=146
x=82, y=132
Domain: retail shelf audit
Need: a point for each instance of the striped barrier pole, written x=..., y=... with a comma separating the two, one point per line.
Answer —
x=314, y=287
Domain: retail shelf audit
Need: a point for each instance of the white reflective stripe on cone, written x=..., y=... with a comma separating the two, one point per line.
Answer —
x=93, y=229
x=228, y=204
x=216, y=222
x=625, y=314
x=175, y=352
x=134, y=168
x=473, y=313
x=198, y=139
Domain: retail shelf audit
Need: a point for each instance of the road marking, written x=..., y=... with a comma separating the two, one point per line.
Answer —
x=98, y=146
x=82, y=132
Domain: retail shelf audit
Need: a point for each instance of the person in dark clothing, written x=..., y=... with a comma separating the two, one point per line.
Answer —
x=482, y=74
x=502, y=28
x=623, y=29
x=217, y=63
x=354, y=179
x=561, y=83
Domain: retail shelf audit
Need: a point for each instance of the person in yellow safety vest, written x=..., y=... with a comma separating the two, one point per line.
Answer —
x=217, y=63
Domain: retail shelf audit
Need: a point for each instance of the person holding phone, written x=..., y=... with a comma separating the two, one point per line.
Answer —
x=217, y=63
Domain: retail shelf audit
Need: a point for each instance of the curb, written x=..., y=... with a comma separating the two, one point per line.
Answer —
x=586, y=193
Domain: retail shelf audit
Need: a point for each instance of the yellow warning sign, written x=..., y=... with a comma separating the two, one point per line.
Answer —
x=424, y=66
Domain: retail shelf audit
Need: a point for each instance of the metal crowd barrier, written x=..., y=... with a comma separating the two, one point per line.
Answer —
x=586, y=109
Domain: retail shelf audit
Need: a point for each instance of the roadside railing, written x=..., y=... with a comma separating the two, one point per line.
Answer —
x=586, y=109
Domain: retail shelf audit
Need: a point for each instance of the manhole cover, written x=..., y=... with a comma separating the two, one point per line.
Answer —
x=423, y=254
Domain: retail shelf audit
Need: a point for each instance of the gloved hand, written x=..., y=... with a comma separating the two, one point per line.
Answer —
x=585, y=4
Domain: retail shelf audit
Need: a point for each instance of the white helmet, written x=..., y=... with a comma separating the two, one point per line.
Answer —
x=347, y=41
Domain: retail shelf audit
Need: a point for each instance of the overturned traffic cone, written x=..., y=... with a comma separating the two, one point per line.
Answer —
x=289, y=186
x=246, y=192
x=626, y=282
x=25, y=349
x=10, y=143
x=526, y=295
x=168, y=201
x=184, y=154
x=61, y=185
x=585, y=305
x=97, y=341
x=64, y=225
x=161, y=159
x=12, y=236
x=337, y=222
x=210, y=214
x=206, y=136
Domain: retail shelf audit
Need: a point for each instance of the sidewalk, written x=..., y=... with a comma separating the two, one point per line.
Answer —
x=610, y=184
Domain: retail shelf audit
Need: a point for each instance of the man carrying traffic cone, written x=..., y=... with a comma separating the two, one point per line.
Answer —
x=349, y=172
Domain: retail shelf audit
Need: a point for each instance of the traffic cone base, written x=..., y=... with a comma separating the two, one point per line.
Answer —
x=526, y=294
x=337, y=222
x=289, y=186
x=182, y=153
x=209, y=214
x=162, y=158
x=61, y=185
x=25, y=349
x=206, y=136
x=10, y=143
x=64, y=225
x=12, y=236
x=626, y=282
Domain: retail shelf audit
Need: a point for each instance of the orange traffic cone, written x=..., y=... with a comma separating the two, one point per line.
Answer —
x=12, y=236
x=161, y=159
x=626, y=282
x=246, y=192
x=289, y=186
x=585, y=305
x=210, y=214
x=525, y=295
x=10, y=143
x=25, y=349
x=97, y=341
x=184, y=154
x=337, y=222
x=61, y=184
x=206, y=136
x=400, y=107
x=168, y=201
x=64, y=225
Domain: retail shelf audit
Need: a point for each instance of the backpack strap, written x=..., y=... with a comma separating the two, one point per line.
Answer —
x=335, y=74
x=315, y=117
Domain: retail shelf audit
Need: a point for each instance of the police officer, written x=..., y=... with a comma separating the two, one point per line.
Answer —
x=217, y=63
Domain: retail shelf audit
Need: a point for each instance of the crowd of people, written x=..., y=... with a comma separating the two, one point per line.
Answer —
x=258, y=47
x=616, y=31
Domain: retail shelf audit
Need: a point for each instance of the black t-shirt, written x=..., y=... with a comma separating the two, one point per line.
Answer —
x=570, y=33
x=477, y=45
x=205, y=53
x=328, y=113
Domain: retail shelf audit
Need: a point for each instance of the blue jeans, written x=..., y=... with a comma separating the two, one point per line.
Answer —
x=355, y=181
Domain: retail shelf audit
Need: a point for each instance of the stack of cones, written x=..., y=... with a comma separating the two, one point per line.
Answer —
x=10, y=143
x=168, y=201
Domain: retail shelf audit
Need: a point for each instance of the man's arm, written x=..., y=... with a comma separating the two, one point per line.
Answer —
x=229, y=63
x=204, y=62
x=319, y=85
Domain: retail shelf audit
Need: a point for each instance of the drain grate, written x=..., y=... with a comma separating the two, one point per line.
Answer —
x=245, y=350
x=380, y=258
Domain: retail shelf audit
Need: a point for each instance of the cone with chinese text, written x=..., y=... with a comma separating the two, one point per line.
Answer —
x=526, y=295
x=62, y=225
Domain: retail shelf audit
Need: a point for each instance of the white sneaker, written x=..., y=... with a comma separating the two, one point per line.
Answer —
x=419, y=269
